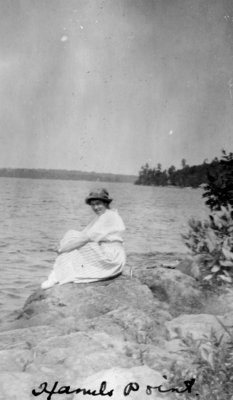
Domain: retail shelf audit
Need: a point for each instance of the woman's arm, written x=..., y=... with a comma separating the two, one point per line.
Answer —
x=107, y=224
x=73, y=243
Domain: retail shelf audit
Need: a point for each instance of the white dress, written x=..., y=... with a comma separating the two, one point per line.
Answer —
x=102, y=257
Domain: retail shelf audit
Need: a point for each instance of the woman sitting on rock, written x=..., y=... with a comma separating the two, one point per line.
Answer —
x=95, y=253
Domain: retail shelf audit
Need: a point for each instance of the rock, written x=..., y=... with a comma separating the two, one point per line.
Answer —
x=227, y=323
x=118, y=331
x=71, y=332
x=174, y=287
x=118, y=379
x=160, y=358
x=15, y=359
x=82, y=354
x=199, y=326
x=189, y=266
x=25, y=338
x=224, y=302
x=15, y=385
x=124, y=303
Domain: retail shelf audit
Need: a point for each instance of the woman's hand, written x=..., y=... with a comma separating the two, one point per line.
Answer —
x=64, y=249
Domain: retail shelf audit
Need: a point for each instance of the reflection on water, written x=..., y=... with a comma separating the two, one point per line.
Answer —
x=36, y=213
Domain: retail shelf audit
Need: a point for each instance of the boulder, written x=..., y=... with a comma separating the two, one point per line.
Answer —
x=224, y=302
x=179, y=290
x=15, y=386
x=119, y=379
x=119, y=331
x=199, y=326
x=72, y=332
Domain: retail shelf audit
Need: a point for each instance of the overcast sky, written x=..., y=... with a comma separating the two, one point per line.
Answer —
x=108, y=85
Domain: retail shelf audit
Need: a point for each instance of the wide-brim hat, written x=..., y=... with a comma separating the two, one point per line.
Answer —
x=99, y=194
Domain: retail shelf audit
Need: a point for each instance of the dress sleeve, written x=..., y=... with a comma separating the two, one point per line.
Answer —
x=73, y=238
x=107, y=224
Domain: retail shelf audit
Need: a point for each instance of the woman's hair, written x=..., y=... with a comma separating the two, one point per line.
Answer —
x=106, y=203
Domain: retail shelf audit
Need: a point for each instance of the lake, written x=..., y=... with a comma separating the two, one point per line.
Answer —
x=36, y=214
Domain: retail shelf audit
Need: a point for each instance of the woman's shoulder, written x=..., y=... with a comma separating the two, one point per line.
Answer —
x=113, y=213
x=114, y=216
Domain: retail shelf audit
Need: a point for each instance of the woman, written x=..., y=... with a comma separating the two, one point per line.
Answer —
x=95, y=253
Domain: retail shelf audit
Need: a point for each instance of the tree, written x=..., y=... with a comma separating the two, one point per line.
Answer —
x=183, y=163
x=219, y=188
x=172, y=175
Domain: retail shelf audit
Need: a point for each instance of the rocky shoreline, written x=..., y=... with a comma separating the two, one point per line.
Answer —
x=124, y=330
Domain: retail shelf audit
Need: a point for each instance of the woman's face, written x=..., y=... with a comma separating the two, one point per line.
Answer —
x=98, y=206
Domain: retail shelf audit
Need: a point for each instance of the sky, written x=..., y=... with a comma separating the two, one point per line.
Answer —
x=109, y=85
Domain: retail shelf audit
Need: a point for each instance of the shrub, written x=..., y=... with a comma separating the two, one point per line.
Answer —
x=211, y=244
x=211, y=368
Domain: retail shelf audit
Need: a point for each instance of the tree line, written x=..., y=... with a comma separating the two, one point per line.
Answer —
x=61, y=174
x=218, y=171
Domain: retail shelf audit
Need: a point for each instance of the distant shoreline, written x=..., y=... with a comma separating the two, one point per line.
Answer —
x=64, y=175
